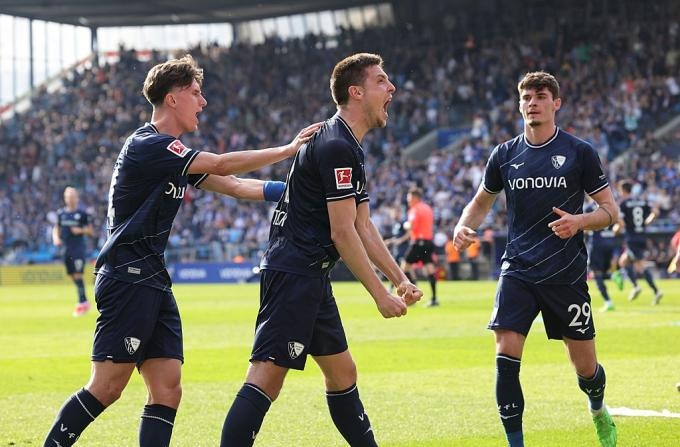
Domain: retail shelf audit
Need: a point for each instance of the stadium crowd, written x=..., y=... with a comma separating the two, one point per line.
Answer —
x=619, y=84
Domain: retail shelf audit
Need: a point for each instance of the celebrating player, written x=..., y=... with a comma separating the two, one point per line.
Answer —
x=139, y=322
x=544, y=173
x=324, y=215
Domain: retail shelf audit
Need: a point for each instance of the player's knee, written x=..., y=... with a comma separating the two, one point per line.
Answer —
x=341, y=378
x=168, y=394
x=107, y=393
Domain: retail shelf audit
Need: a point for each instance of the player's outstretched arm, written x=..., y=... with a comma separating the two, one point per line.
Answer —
x=246, y=161
x=464, y=233
x=342, y=215
x=380, y=256
x=244, y=188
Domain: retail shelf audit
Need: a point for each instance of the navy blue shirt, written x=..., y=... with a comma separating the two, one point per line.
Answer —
x=147, y=187
x=74, y=244
x=329, y=167
x=604, y=238
x=634, y=212
x=535, y=179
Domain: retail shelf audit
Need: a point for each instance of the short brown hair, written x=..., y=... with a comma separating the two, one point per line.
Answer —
x=173, y=73
x=415, y=191
x=538, y=80
x=350, y=71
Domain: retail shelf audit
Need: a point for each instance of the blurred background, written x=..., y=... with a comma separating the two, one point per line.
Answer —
x=71, y=74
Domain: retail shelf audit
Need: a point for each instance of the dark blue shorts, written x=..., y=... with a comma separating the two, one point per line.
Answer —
x=135, y=323
x=565, y=308
x=600, y=257
x=636, y=250
x=420, y=250
x=298, y=317
x=74, y=264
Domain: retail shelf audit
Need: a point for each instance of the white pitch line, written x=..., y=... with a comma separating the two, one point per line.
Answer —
x=624, y=411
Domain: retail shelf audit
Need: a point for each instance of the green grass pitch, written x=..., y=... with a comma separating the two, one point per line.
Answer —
x=426, y=379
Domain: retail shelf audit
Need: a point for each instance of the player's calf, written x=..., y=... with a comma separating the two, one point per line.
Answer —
x=349, y=417
x=75, y=415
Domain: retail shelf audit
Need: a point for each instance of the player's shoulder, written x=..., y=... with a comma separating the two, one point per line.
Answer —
x=575, y=141
x=148, y=136
x=509, y=146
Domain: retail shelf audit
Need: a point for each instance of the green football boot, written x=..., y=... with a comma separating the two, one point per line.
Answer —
x=606, y=429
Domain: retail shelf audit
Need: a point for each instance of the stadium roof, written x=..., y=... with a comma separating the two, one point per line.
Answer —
x=101, y=13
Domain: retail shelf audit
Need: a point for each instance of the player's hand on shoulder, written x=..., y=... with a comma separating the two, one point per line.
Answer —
x=303, y=136
x=391, y=305
x=409, y=292
x=567, y=225
x=463, y=237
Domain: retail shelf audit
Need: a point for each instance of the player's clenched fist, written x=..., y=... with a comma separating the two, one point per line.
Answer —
x=391, y=306
x=409, y=292
x=463, y=237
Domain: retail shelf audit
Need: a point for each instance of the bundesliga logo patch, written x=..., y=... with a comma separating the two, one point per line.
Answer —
x=177, y=148
x=343, y=178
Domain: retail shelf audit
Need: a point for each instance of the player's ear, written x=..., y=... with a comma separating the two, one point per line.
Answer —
x=170, y=100
x=355, y=91
x=558, y=104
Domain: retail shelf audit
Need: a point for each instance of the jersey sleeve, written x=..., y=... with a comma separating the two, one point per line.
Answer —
x=195, y=180
x=339, y=170
x=594, y=179
x=84, y=219
x=169, y=157
x=492, y=182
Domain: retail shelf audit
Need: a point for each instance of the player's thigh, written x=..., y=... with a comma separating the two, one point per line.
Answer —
x=289, y=304
x=339, y=370
x=515, y=307
x=128, y=315
x=108, y=380
x=566, y=311
x=328, y=336
x=162, y=377
x=582, y=356
x=166, y=340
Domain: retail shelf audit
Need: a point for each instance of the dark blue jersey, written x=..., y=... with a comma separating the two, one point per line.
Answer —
x=329, y=167
x=634, y=212
x=604, y=238
x=535, y=179
x=74, y=244
x=147, y=187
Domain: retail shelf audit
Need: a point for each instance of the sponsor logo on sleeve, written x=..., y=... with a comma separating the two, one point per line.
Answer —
x=343, y=178
x=177, y=148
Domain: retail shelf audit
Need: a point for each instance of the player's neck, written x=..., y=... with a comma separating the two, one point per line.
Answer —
x=165, y=124
x=537, y=135
x=355, y=121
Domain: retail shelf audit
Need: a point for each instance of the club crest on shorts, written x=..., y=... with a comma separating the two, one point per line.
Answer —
x=558, y=161
x=131, y=344
x=295, y=349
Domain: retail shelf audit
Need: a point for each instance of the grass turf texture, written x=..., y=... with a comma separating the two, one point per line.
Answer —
x=426, y=379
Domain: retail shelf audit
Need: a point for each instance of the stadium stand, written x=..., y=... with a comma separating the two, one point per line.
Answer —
x=619, y=87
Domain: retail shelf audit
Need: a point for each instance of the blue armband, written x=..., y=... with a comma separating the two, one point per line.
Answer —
x=273, y=191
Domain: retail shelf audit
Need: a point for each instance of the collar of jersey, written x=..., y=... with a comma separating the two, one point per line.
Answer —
x=153, y=127
x=550, y=140
x=349, y=129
